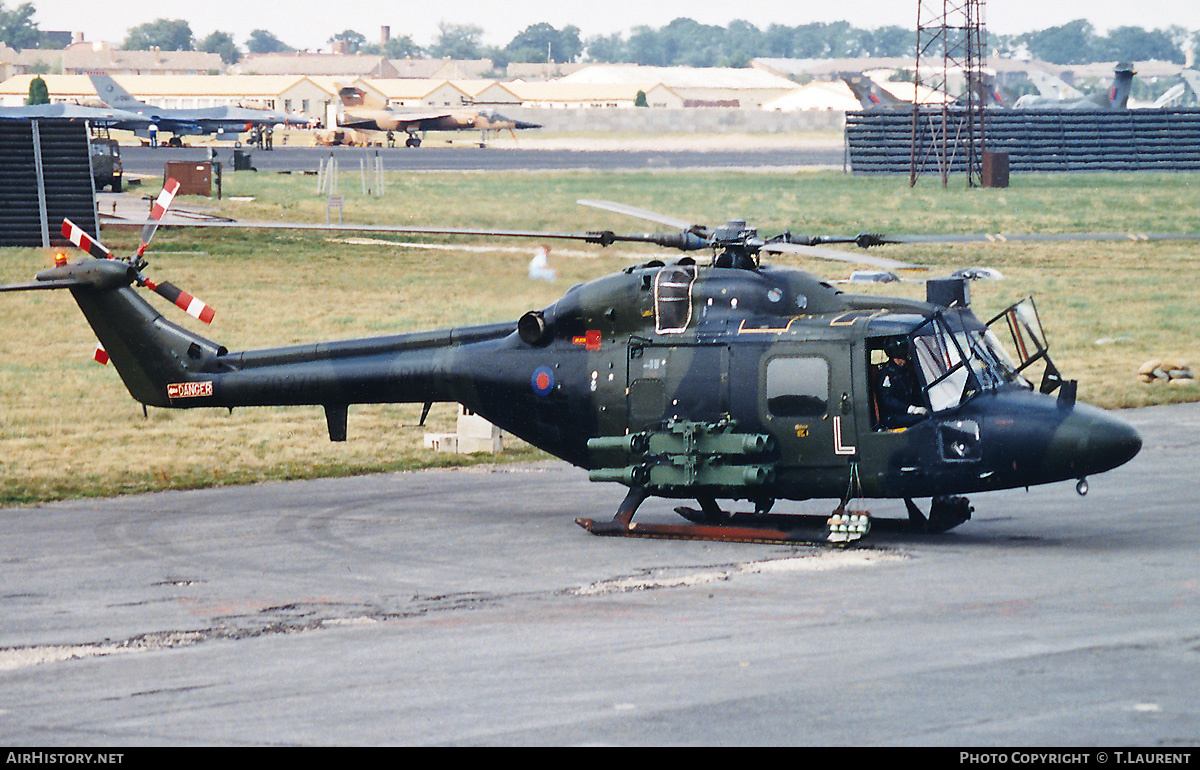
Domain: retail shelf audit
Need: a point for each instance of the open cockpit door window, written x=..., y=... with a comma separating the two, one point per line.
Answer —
x=1018, y=333
x=673, y=298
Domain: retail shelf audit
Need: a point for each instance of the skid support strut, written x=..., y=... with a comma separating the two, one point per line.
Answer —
x=945, y=513
x=622, y=522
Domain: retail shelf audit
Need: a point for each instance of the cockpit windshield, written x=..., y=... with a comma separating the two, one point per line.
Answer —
x=958, y=364
x=942, y=365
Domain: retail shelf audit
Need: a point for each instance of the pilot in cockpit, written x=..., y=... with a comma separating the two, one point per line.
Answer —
x=899, y=394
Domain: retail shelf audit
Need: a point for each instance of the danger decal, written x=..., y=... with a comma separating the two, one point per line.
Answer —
x=189, y=389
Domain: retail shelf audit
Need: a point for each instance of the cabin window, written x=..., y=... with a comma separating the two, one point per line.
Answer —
x=673, y=298
x=797, y=386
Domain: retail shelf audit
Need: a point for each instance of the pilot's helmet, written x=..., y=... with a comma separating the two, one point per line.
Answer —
x=896, y=349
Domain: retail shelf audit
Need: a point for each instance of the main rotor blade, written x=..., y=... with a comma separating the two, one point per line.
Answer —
x=634, y=211
x=822, y=252
x=688, y=241
x=1044, y=237
x=602, y=237
x=381, y=229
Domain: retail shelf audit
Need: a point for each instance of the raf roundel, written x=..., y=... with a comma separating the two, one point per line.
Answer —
x=542, y=380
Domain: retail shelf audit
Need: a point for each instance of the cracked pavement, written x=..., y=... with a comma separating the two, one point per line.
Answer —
x=466, y=607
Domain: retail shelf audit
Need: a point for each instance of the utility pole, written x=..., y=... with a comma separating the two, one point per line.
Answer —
x=950, y=54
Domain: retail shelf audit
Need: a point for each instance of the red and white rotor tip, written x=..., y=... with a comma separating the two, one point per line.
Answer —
x=163, y=202
x=76, y=235
x=193, y=306
x=157, y=211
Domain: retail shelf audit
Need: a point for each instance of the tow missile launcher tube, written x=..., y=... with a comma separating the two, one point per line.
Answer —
x=630, y=476
x=685, y=471
x=687, y=454
x=633, y=443
x=710, y=444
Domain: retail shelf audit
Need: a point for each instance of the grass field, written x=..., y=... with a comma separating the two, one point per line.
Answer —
x=68, y=427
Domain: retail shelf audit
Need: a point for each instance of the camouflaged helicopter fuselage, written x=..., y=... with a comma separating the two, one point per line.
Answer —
x=728, y=382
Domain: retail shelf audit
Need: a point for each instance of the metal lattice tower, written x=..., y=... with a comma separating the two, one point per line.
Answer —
x=948, y=130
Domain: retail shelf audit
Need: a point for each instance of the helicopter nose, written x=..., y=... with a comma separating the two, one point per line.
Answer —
x=518, y=124
x=1096, y=441
x=1118, y=442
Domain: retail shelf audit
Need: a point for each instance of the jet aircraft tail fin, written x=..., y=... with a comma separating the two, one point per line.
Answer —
x=990, y=93
x=353, y=96
x=1118, y=95
x=112, y=94
x=1053, y=87
x=869, y=93
x=1192, y=79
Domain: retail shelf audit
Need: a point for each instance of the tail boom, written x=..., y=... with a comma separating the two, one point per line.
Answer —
x=166, y=365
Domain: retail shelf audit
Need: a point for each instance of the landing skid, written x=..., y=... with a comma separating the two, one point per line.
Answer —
x=842, y=529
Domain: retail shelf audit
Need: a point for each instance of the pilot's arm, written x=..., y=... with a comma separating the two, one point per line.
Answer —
x=898, y=397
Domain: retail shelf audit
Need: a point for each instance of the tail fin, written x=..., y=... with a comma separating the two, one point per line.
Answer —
x=112, y=94
x=991, y=93
x=1192, y=78
x=1172, y=95
x=1118, y=95
x=1053, y=87
x=353, y=96
x=869, y=93
x=150, y=353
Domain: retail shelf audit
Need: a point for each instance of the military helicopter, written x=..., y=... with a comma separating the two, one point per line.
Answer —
x=724, y=380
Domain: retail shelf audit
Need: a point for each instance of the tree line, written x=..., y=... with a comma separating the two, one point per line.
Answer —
x=681, y=42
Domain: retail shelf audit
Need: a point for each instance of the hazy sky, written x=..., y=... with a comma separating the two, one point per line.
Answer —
x=310, y=23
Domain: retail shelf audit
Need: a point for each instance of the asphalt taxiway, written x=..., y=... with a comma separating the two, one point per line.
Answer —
x=466, y=607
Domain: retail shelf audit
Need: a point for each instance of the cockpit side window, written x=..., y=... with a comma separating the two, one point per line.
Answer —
x=673, y=298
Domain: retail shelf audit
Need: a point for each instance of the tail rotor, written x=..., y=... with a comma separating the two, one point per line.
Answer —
x=186, y=302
